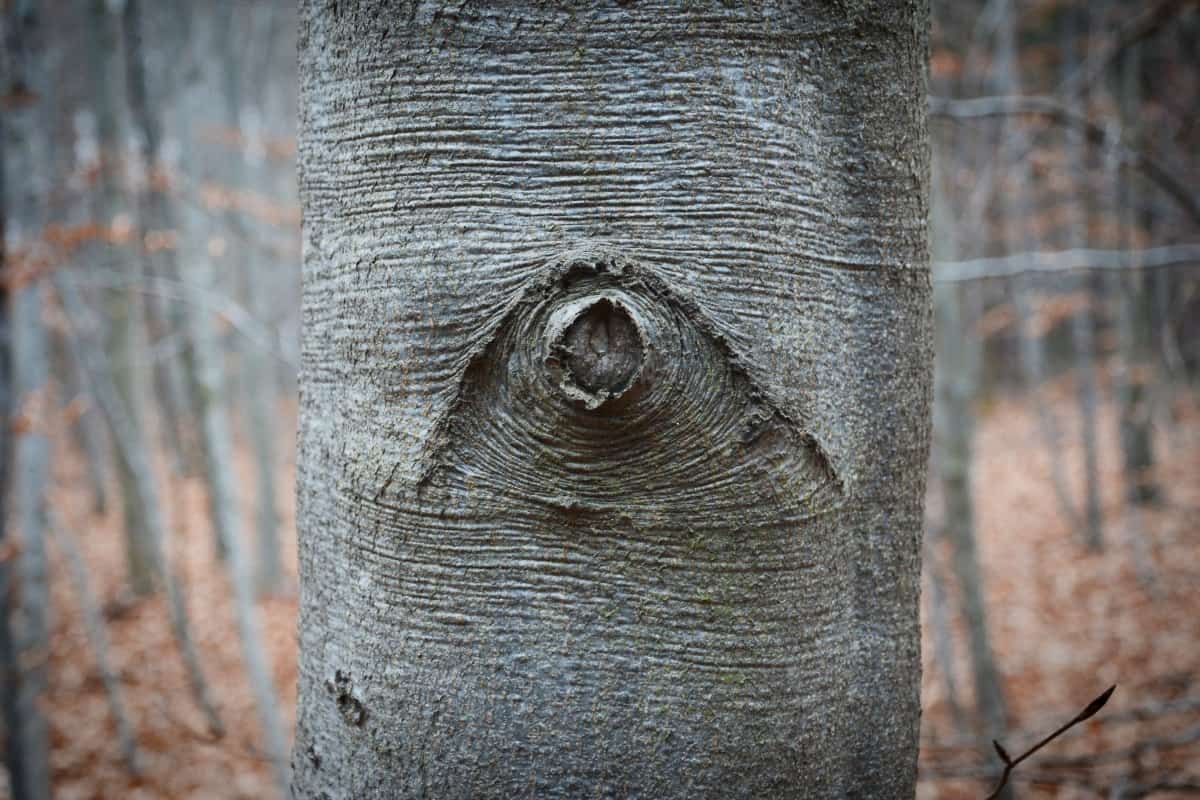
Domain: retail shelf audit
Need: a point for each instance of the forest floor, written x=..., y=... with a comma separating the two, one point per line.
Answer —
x=1066, y=624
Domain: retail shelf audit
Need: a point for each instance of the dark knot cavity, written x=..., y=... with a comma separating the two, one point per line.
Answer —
x=596, y=349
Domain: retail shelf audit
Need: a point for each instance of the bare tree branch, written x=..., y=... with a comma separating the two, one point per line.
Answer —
x=1149, y=21
x=1080, y=258
x=1053, y=111
x=1011, y=763
x=238, y=316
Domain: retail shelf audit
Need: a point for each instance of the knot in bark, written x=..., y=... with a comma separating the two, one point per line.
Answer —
x=596, y=350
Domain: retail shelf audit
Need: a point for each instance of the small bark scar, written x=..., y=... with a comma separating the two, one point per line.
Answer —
x=349, y=705
x=601, y=391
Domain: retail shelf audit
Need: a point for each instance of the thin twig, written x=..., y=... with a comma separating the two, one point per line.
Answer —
x=1011, y=763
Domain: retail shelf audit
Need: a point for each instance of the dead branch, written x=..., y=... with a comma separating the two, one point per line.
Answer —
x=1076, y=259
x=1053, y=111
x=1011, y=763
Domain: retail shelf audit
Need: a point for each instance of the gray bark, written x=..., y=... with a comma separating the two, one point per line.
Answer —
x=24, y=590
x=154, y=216
x=217, y=447
x=1082, y=326
x=615, y=392
x=955, y=389
x=126, y=335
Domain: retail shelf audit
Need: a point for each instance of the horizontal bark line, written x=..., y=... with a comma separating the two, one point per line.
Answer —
x=1076, y=259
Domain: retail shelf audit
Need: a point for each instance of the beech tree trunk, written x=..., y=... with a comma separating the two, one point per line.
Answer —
x=155, y=218
x=615, y=385
x=126, y=336
x=24, y=588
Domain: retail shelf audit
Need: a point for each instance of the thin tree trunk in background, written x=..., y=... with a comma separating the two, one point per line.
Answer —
x=154, y=226
x=940, y=623
x=1134, y=331
x=124, y=306
x=93, y=622
x=28, y=773
x=133, y=460
x=955, y=388
x=1017, y=209
x=86, y=428
x=1134, y=336
x=31, y=481
x=257, y=384
x=1075, y=31
x=217, y=447
x=24, y=755
x=954, y=427
x=1172, y=372
x=24, y=590
x=689, y=568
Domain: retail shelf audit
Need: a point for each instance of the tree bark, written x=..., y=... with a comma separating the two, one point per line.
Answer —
x=257, y=383
x=615, y=397
x=956, y=386
x=1135, y=336
x=154, y=217
x=1082, y=325
x=24, y=588
x=126, y=335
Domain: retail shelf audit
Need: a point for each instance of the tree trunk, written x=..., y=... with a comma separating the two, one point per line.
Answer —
x=1018, y=211
x=955, y=388
x=24, y=589
x=615, y=396
x=257, y=382
x=216, y=441
x=155, y=221
x=1082, y=324
x=86, y=432
x=133, y=459
x=93, y=622
x=125, y=337
x=1135, y=335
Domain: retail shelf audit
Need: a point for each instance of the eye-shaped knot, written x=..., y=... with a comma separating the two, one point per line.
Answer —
x=605, y=394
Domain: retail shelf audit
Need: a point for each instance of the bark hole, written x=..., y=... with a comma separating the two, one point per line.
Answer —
x=599, y=351
x=348, y=704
